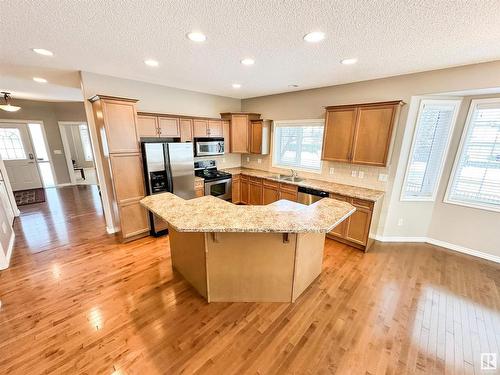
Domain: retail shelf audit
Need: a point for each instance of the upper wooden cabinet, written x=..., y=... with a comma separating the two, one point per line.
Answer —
x=169, y=127
x=147, y=126
x=240, y=129
x=200, y=128
x=186, y=127
x=360, y=134
x=215, y=128
x=260, y=133
x=120, y=124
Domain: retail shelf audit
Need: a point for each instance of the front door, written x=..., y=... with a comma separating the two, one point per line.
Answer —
x=18, y=156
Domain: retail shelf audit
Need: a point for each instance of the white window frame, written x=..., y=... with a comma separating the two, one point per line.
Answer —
x=473, y=104
x=297, y=123
x=424, y=101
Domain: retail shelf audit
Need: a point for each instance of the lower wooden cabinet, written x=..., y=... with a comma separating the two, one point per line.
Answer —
x=134, y=220
x=288, y=192
x=255, y=191
x=244, y=184
x=270, y=192
x=199, y=188
x=356, y=228
x=236, y=189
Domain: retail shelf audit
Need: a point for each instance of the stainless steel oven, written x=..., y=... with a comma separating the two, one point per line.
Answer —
x=219, y=188
x=208, y=146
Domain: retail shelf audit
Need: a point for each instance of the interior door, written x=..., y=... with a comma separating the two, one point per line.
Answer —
x=18, y=156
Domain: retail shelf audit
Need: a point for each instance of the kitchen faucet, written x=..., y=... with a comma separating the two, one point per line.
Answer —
x=294, y=173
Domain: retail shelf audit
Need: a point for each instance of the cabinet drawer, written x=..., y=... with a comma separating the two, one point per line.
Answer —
x=288, y=187
x=339, y=197
x=360, y=203
x=270, y=183
x=256, y=180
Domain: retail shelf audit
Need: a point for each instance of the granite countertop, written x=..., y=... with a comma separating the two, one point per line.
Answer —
x=331, y=187
x=211, y=214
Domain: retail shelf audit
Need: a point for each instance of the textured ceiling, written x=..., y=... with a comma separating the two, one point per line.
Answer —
x=114, y=37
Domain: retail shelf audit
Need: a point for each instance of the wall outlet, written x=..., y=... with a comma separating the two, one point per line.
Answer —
x=354, y=173
x=332, y=170
x=382, y=177
x=400, y=222
x=259, y=161
x=248, y=159
x=361, y=174
x=58, y=152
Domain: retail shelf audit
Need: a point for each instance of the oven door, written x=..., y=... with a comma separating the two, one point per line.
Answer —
x=209, y=148
x=220, y=188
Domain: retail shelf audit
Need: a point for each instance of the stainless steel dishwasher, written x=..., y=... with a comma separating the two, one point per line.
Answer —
x=308, y=196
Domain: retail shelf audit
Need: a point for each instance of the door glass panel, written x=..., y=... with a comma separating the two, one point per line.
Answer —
x=38, y=142
x=11, y=145
x=218, y=189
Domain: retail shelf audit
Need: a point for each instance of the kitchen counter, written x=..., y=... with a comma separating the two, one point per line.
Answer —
x=211, y=214
x=232, y=253
x=331, y=187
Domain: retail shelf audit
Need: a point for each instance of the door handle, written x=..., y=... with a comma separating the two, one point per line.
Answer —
x=31, y=156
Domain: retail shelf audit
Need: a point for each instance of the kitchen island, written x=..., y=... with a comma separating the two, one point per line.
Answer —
x=232, y=253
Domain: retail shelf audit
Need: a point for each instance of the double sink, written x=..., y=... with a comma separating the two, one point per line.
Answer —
x=284, y=177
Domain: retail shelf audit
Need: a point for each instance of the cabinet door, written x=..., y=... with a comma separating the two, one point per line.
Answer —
x=358, y=226
x=239, y=134
x=338, y=135
x=340, y=230
x=373, y=135
x=133, y=219
x=256, y=137
x=255, y=194
x=244, y=190
x=128, y=178
x=288, y=195
x=169, y=127
x=147, y=126
x=200, y=128
x=270, y=195
x=215, y=129
x=227, y=136
x=236, y=189
x=186, y=126
x=121, y=127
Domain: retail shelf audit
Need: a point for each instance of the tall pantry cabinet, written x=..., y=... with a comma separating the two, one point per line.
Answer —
x=116, y=123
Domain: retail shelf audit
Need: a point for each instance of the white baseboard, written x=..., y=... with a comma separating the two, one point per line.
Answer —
x=4, y=263
x=446, y=245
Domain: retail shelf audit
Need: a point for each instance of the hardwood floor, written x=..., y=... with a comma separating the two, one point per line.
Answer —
x=76, y=301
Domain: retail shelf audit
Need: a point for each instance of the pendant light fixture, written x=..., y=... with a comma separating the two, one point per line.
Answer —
x=7, y=106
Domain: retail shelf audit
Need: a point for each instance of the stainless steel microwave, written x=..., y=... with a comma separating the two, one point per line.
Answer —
x=208, y=146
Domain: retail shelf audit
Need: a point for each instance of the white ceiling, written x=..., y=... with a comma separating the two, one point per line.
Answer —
x=114, y=37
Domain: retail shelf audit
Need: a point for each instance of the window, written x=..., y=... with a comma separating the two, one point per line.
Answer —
x=475, y=179
x=433, y=129
x=297, y=144
x=11, y=145
x=87, y=147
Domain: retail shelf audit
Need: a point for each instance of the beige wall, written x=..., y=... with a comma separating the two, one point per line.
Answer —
x=50, y=113
x=308, y=104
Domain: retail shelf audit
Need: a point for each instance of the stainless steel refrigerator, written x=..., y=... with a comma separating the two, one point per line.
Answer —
x=168, y=167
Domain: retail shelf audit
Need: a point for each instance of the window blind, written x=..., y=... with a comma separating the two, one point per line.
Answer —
x=476, y=178
x=435, y=122
x=298, y=144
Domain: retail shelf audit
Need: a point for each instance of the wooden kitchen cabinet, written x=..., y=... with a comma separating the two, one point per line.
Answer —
x=270, y=192
x=199, y=188
x=244, y=185
x=361, y=133
x=118, y=140
x=226, y=134
x=255, y=191
x=288, y=192
x=147, y=126
x=200, y=128
x=236, y=189
x=186, y=129
x=260, y=134
x=239, y=128
x=169, y=127
x=355, y=229
x=215, y=129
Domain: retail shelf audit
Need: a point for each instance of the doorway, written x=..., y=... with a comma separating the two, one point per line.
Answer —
x=78, y=151
x=24, y=151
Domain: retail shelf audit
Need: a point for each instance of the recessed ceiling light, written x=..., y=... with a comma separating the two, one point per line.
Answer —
x=42, y=51
x=349, y=61
x=151, y=62
x=236, y=85
x=39, y=80
x=247, y=61
x=196, y=36
x=314, y=37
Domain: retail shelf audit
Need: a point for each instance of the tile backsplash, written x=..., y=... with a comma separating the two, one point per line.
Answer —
x=224, y=161
x=343, y=173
